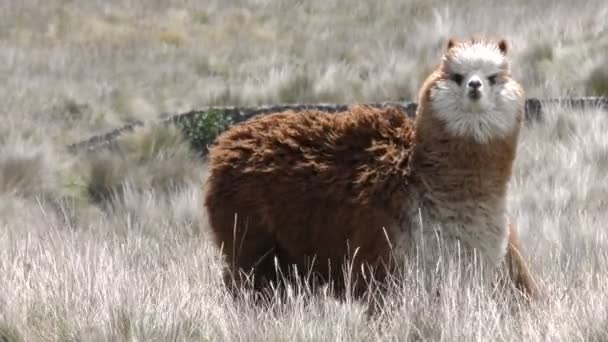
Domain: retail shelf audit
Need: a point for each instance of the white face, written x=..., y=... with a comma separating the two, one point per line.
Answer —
x=475, y=98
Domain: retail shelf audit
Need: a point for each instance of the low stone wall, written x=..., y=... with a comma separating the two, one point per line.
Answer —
x=533, y=113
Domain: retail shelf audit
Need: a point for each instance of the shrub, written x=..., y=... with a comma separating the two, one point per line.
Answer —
x=202, y=129
x=597, y=83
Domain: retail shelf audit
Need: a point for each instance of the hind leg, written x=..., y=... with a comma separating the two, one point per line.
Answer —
x=250, y=254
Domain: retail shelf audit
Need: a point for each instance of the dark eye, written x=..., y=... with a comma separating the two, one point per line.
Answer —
x=457, y=78
x=492, y=79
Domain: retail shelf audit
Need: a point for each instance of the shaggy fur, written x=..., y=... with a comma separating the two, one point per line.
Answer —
x=313, y=189
x=309, y=185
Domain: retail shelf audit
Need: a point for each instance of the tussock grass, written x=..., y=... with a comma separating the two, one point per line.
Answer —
x=598, y=79
x=26, y=168
x=155, y=157
x=144, y=268
x=127, y=60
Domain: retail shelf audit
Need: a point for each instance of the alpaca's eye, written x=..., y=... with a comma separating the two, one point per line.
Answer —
x=492, y=79
x=457, y=78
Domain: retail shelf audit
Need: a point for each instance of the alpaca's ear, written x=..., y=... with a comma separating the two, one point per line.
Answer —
x=503, y=46
x=451, y=43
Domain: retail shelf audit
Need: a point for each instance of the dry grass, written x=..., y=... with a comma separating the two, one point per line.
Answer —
x=142, y=266
x=114, y=247
x=82, y=69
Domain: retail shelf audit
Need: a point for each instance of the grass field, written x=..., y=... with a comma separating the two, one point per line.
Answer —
x=113, y=246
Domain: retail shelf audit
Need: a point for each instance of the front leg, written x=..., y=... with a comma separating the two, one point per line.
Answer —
x=519, y=272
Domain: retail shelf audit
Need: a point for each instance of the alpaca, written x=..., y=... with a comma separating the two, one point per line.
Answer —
x=308, y=191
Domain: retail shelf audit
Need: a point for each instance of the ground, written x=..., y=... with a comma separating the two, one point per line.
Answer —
x=113, y=245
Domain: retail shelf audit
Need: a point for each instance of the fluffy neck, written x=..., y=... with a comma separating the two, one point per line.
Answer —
x=453, y=168
x=457, y=169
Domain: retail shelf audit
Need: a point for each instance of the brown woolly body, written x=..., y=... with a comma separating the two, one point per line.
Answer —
x=310, y=186
x=314, y=189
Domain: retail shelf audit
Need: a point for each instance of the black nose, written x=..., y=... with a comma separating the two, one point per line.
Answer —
x=475, y=84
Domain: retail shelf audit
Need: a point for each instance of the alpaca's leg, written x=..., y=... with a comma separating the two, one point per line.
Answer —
x=518, y=269
x=249, y=251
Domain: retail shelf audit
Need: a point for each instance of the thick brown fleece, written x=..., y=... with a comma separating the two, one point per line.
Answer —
x=309, y=185
x=313, y=189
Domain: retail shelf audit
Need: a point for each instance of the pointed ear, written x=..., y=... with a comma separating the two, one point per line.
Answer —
x=503, y=46
x=451, y=43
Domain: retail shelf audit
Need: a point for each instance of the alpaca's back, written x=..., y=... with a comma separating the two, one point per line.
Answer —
x=309, y=185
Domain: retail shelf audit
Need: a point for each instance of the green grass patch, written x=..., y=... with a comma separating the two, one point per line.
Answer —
x=202, y=129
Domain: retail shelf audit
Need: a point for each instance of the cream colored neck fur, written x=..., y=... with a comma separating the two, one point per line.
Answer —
x=460, y=185
x=459, y=167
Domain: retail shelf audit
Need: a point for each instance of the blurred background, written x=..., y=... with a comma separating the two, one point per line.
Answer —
x=86, y=66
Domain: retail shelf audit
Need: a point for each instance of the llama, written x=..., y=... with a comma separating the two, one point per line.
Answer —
x=312, y=189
